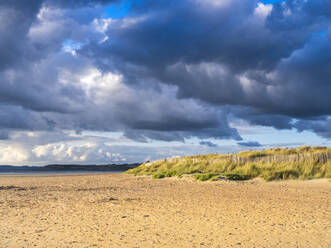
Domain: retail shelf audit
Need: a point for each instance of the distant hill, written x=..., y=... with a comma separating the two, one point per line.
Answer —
x=68, y=167
x=272, y=164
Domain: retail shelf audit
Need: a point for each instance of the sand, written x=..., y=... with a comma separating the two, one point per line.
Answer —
x=126, y=211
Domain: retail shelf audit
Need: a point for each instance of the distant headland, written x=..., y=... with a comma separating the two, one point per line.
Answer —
x=67, y=167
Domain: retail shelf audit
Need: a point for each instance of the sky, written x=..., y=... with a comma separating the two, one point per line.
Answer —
x=122, y=81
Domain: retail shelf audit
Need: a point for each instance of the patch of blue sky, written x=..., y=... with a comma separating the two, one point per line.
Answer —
x=117, y=10
x=287, y=138
x=321, y=34
x=72, y=45
x=267, y=136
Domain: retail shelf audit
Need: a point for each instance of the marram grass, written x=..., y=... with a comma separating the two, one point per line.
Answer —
x=272, y=164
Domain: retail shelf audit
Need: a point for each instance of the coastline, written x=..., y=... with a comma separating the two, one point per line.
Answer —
x=117, y=210
x=57, y=173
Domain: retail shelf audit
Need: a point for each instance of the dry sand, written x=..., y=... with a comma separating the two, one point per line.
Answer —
x=127, y=211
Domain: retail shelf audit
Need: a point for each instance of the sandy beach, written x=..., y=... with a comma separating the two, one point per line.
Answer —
x=115, y=210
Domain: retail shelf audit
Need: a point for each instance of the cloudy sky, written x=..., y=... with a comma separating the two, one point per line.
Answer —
x=116, y=81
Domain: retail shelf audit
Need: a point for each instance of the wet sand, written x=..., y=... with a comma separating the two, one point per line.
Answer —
x=126, y=211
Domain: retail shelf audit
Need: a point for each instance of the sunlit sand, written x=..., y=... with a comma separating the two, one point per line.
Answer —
x=127, y=211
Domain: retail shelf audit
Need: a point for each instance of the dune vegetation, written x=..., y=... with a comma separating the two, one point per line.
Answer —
x=271, y=164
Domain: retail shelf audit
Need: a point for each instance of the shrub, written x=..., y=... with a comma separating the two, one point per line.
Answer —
x=158, y=175
x=236, y=177
x=205, y=177
x=282, y=175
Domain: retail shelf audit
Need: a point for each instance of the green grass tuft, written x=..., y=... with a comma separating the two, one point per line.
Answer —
x=205, y=177
x=272, y=164
x=158, y=175
x=236, y=177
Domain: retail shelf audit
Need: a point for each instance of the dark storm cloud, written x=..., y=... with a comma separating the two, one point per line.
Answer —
x=229, y=54
x=265, y=65
x=250, y=144
x=28, y=63
x=4, y=135
x=39, y=90
x=257, y=117
x=208, y=143
x=188, y=31
x=194, y=31
x=18, y=118
x=146, y=114
x=321, y=127
x=16, y=18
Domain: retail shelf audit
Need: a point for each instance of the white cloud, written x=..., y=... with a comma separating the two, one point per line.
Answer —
x=25, y=149
x=262, y=10
x=214, y=3
x=102, y=25
x=12, y=154
x=85, y=152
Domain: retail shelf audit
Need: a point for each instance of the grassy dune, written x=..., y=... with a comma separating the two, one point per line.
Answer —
x=272, y=164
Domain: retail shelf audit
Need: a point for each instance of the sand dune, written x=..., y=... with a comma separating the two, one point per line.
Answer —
x=127, y=211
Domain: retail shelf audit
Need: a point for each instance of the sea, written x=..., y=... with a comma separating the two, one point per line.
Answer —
x=66, y=172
